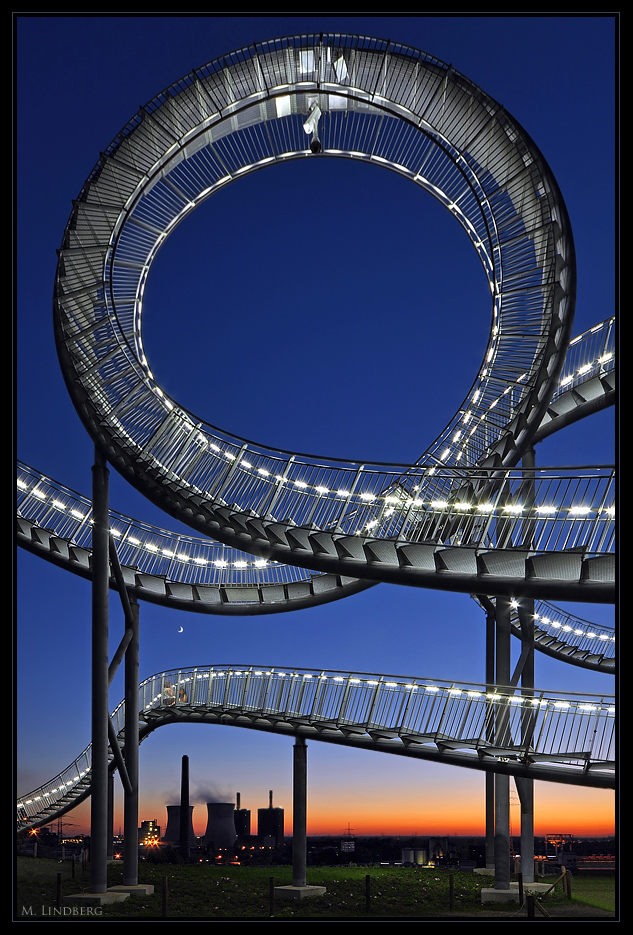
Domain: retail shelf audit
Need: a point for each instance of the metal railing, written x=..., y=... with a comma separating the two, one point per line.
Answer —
x=542, y=510
x=157, y=170
x=574, y=729
x=146, y=548
x=574, y=734
x=585, y=636
x=589, y=354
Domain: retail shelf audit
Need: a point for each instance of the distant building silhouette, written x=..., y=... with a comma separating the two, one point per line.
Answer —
x=270, y=822
x=242, y=817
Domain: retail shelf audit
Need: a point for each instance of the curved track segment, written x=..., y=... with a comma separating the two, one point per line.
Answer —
x=433, y=126
x=540, y=735
x=201, y=575
x=562, y=635
x=164, y=567
x=205, y=577
x=588, y=380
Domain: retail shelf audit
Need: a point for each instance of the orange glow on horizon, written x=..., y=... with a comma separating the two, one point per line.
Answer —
x=571, y=809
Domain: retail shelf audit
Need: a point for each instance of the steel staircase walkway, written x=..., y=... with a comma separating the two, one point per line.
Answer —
x=464, y=518
x=174, y=154
x=164, y=567
x=240, y=587
x=540, y=735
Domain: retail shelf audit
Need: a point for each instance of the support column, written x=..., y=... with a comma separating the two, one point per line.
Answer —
x=299, y=812
x=525, y=787
x=502, y=782
x=100, y=713
x=299, y=888
x=526, y=617
x=490, y=777
x=130, y=753
x=490, y=821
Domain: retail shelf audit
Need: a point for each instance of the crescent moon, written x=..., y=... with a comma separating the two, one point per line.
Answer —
x=180, y=630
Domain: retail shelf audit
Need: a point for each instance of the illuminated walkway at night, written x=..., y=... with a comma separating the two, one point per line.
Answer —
x=550, y=737
x=283, y=530
x=202, y=575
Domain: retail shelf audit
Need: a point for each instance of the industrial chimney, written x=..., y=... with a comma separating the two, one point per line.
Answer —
x=184, y=808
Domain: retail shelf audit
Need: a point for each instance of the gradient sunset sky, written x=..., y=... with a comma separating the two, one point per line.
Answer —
x=282, y=298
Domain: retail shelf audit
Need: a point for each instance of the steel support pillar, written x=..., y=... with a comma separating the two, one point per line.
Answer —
x=299, y=812
x=100, y=681
x=490, y=821
x=502, y=782
x=130, y=752
x=490, y=777
x=525, y=787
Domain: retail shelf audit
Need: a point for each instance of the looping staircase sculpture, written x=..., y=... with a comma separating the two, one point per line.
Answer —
x=284, y=530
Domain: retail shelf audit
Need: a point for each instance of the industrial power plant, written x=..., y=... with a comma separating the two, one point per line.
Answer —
x=228, y=824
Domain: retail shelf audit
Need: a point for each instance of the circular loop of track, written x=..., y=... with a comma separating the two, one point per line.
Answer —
x=391, y=106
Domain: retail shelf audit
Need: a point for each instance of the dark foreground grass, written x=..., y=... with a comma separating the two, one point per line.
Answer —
x=209, y=892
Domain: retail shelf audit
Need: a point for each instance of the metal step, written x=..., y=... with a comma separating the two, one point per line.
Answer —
x=504, y=562
x=590, y=389
x=383, y=551
x=350, y=547
x=561, y=566
x=599, y=568
x=417, y=555
x=463, y=561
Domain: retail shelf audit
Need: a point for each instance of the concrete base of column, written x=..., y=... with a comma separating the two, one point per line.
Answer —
x=95, y=899
x=490, y=896
x=136, y=889
x=511, y=895
x=298, y=892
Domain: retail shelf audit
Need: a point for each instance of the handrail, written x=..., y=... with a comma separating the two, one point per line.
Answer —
x=571, y=736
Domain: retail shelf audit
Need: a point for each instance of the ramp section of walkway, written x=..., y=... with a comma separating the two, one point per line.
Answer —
x=540, y=735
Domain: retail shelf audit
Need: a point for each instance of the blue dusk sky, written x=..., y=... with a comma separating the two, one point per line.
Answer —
x=321, y=307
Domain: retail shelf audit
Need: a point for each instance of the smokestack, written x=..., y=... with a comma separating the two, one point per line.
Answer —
x=184, y=808
x=237, y=800
x=270, y=799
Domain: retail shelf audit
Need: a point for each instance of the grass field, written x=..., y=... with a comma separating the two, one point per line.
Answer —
x=208, y=892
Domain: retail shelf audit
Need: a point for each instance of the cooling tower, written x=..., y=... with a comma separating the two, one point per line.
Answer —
x=220, y=831
x=172, y=831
